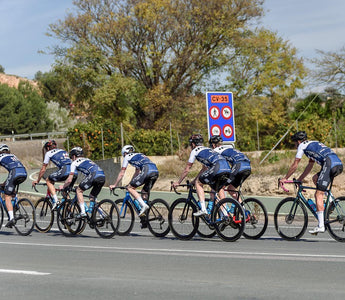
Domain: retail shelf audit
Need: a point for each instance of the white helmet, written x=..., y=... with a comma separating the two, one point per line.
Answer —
x=126, y=149
x=4, y=147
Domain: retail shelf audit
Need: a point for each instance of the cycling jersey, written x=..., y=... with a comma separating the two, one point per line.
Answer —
x=148, y=170
x=317, y=152
x=59, y=158
x=239, y=162
x=16, y=172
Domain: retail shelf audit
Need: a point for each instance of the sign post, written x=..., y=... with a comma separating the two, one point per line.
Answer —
x=221, y=120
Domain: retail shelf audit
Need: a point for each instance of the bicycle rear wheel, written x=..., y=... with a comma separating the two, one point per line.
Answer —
x=44, y=215
x=335, y=219
x=256, y=218
x=181, y=220
x=24, y=214
x=157, y=218
x=229, y=220
x=1, y=215
x=67, y=221
x=290, y=219
x=127, y=217
x=105, y=217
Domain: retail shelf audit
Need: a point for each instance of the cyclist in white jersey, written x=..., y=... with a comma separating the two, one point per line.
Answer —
x=331, y=166
x=94, y=177
x=61, y=160
x=146, y=174
x=214, y=167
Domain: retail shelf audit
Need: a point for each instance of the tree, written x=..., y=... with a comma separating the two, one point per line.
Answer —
x=22, y=110
x=330, y=68
x=168, y=46
x=264, y=75
x=2, y=69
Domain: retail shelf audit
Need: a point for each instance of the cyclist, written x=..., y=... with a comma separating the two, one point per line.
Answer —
x=146, y=173
x=16, y=175
x=331, y=166
x=61, y=159
x=239, y=162
x=214, y=167
x=94, y=177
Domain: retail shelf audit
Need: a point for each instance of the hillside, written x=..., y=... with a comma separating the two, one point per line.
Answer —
x=13, y=80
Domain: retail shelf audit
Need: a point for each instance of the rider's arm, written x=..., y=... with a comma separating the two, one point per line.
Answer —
x=119, y=177
x=68, y=180
x=184, y=174
x=292, y=169
x=307, y=169
x=41, y=173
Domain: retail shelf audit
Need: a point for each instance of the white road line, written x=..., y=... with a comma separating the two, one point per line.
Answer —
x=35, y=273
x=191, y=252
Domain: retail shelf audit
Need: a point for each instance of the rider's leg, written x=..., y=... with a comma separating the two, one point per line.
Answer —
x=80, y=198
x=201, y=194
x=52, y=190
x=9, y=206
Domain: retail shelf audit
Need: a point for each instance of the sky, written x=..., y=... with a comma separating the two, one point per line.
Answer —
x=307, y=24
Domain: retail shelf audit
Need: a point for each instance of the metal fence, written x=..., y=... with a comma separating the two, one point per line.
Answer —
x=31, y=136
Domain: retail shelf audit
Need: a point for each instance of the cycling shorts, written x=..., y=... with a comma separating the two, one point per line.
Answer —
x=331, y=168
x=15, y=177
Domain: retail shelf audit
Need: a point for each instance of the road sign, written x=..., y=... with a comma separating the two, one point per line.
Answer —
x=220, y=115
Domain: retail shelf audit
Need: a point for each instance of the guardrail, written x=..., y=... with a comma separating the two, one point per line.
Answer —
x=30, y=136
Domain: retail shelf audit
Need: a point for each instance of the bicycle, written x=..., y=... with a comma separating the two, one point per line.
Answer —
x=103, y=217
x=24, y=213
x=155, y=218
x=44, y=210
x=256, y=215
x=291, y=216
x=229, y=226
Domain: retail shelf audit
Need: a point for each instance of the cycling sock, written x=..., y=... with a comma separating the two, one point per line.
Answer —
x=82, y=208
x=320, y=218
x=55, y=198
x=203, y=205
x=10, y=214
x=141, y=201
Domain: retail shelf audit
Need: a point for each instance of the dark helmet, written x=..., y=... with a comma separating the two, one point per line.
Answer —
x=215, y=139
x=51, y=144
x=299, y=136
x=77, y=151
x=197, y=139
x=4, y=147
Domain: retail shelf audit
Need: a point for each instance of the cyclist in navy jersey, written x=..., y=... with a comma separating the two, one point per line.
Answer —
x=93, y=177
x=146, y=173
x=60, y=159
x=331, y=166
x=214, y=166
x=239, y=162
x=16, y=175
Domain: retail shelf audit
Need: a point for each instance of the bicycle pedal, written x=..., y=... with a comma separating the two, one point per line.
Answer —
x=315, y=233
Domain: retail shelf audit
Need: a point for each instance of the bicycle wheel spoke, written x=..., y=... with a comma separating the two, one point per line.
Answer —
x=105, y=218
x=256, y=218
x=157, y=218
x=24, y=214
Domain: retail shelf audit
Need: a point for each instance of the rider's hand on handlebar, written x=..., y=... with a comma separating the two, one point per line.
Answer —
x=175, y=184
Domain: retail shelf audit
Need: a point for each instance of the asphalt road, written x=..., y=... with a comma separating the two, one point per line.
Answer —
x=140, y=266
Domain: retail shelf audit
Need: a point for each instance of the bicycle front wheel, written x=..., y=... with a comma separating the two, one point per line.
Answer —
x=256, y=218
x=157, y=218
x=228, y=218
x=24, y=214
x=105, y=217
x=335, y=219
x=290, y=219
x=127, y=217
x=181, y=220
x=44, y=215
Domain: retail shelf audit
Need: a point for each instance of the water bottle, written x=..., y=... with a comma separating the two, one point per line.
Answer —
x=210, y=206
x=91, y=206
x=312, y=204
x=86, y=208
x=137, y=204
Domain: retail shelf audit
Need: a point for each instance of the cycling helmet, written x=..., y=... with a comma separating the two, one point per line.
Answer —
x=4, y=147
x=126, y=149
x=215, y=139
x=51, y=144
x=77, y=151
x=197, y=139
x=299, y=136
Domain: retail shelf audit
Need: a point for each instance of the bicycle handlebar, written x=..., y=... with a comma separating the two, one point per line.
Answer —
x=294, y=181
